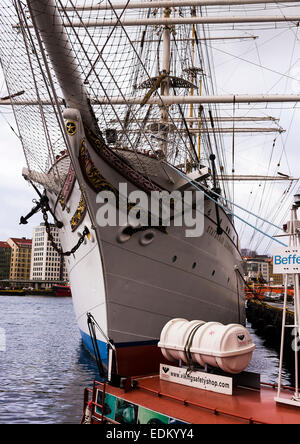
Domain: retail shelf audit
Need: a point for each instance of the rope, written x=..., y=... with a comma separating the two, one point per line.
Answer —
x=226, y=209
x=187, y=348
x=243, y=209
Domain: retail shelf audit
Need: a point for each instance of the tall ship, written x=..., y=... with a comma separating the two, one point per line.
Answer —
x=114, y=104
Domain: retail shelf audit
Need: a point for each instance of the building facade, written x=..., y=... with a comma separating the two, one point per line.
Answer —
x=20, y=258
x=260, y=269
x=5, y=258
x=275, y=279
x=46, y=263
x=257, y=269
x=278, y=279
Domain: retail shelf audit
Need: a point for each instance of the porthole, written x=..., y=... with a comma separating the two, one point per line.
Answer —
x=194, y=265
x=213, y=273
x=174, y=259
x=147, y=238
x=125, y=234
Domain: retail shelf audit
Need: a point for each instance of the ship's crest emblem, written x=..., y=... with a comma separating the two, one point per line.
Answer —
x=71, y=128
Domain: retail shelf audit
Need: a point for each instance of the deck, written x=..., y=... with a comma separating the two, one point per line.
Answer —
x=196, y=406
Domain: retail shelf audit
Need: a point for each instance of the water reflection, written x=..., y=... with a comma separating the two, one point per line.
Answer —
x=265, y=361
x=45, y=368
x=82, y=375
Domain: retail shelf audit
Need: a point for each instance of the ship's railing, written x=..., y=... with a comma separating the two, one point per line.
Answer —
x=90, y=403
x=90, y=399
x=213, y=410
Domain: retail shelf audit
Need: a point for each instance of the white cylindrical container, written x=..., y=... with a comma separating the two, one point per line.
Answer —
x=228, y=347
x=174, y=336
x=204, y=339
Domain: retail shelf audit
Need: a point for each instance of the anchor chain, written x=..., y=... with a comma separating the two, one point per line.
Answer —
x=52, y=241
x=43, y=205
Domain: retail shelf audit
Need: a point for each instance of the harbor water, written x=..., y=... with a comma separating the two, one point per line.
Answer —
x=44, y=367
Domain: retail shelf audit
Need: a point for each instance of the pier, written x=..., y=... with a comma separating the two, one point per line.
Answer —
x=28, y=284
x=266, y=319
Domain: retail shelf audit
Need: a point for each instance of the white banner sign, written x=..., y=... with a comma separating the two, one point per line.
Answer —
x=286, y=260
x=200, y=380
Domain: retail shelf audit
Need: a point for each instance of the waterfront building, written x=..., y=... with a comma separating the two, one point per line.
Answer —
x=278, y=279
x=260, y=269
x=257, y=269
x=46, y=262
x=5, y=257
x=20, y=258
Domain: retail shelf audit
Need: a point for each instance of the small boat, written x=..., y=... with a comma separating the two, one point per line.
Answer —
x=62, y=290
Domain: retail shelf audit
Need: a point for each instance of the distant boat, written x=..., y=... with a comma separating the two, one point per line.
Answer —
x=62, y=290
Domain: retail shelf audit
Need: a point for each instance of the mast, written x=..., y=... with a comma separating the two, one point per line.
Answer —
x=193, y=73
x=170, y=4
x=200, y=39
x=168, y=21
x=173, y=100
x=165, y=84
x=217, y=130
x=217, y=119
x=246, y=178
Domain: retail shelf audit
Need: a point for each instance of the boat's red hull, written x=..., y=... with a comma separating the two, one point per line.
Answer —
x=62, y=291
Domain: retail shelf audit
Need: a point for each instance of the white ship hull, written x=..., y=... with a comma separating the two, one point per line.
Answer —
x=133, y=289
x=133, y=281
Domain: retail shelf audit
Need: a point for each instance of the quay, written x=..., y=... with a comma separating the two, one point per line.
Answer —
x=34, y=288
x=27, y=292
x=26, y=284
x=266, y=319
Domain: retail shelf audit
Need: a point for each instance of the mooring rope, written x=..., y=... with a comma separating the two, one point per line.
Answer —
x=227, y=210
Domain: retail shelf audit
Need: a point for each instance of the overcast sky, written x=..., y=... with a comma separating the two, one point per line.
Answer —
x=257, y=68
x=247, y=67
x=15, y=195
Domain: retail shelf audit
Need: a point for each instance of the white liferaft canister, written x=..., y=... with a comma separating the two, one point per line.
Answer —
x=200, y=337
x=174, y=336
x=228, y=347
